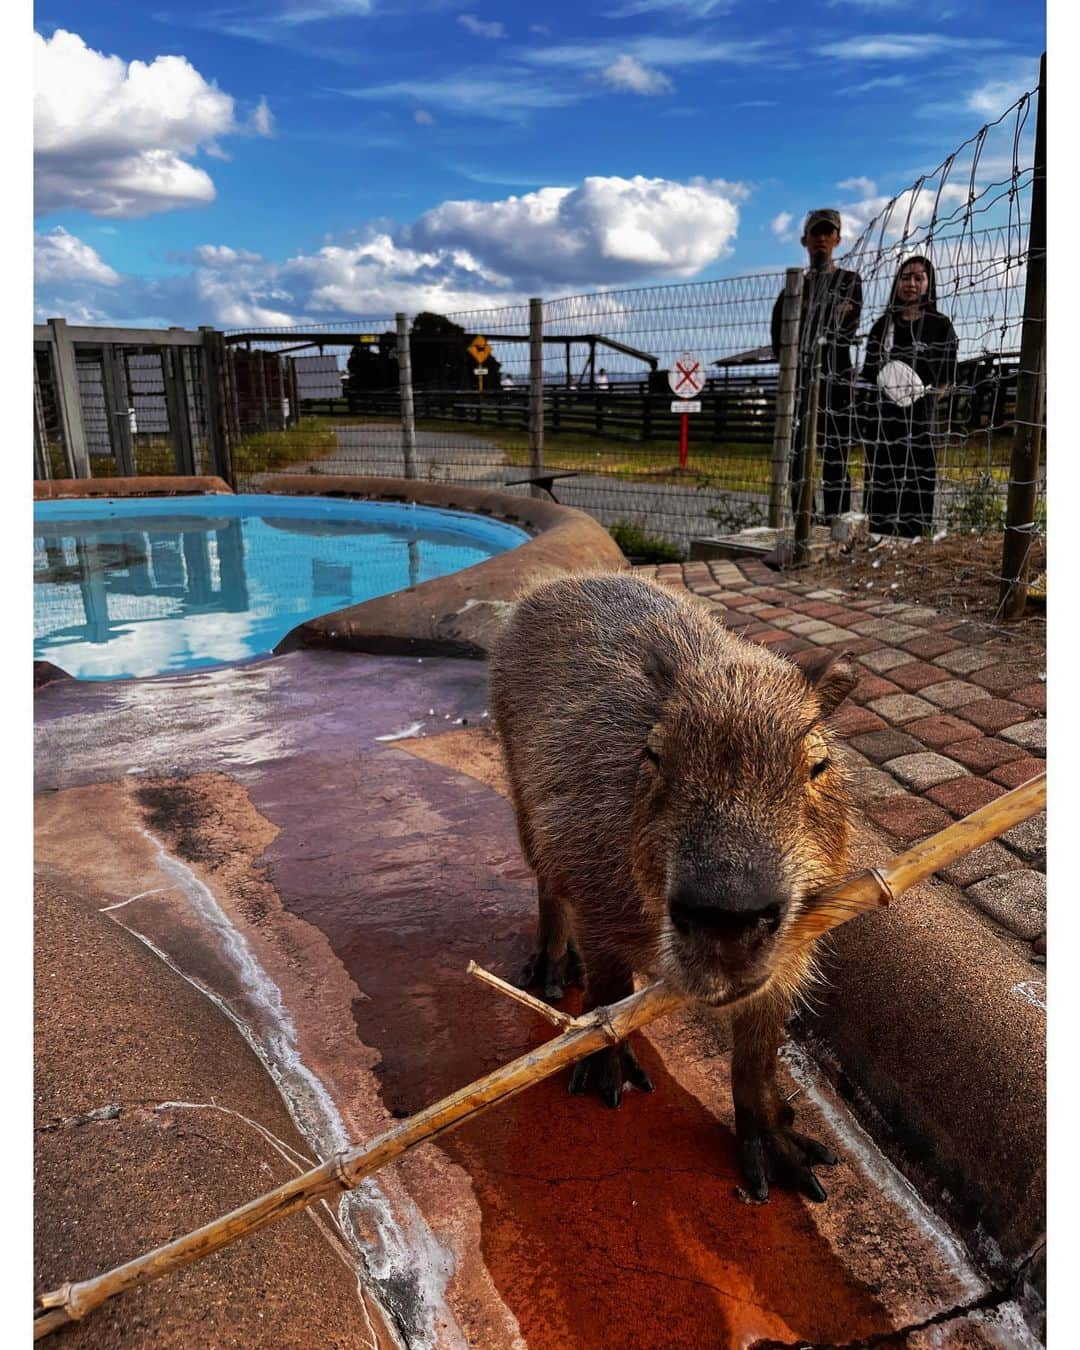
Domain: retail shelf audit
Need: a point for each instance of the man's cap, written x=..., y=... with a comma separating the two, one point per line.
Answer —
x=824, y=215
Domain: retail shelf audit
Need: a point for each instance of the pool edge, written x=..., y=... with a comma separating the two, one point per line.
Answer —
x=459, y=614
x=170, y=485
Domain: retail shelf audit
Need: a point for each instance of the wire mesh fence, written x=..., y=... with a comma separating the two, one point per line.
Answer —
x=850, y=396
x=132, y=407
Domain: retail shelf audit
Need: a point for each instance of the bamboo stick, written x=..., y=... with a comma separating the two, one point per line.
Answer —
x=603, y=1026
x=873, y=888
x=553, y=1015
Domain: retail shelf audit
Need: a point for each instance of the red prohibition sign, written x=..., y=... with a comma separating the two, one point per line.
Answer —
x=687, y=378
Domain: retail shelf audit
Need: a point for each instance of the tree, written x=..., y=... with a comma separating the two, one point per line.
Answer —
x=440, y=356
x=372, y=368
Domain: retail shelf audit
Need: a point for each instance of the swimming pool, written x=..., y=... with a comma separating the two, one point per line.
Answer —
x=128, y=587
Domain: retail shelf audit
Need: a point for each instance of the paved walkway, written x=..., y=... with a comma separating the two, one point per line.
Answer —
x=948, y=715
x=676, y=511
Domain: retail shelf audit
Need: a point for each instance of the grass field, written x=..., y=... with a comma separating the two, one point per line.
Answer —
x=980, y=464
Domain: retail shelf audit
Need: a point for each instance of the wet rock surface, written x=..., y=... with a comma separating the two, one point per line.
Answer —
x=152, y=1116
x=345, y=816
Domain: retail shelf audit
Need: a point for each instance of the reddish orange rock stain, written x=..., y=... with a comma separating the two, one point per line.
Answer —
x=624, y=1228
x=600, y=1228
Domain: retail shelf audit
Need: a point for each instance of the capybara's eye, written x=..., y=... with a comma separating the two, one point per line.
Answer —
x=819, y=767
x=651, y=757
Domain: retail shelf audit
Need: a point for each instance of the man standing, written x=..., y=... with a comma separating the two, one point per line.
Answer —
x=831, y=305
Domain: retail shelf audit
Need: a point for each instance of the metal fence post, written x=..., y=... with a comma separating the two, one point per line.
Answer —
x=1030, y=392
x=536, y=392
x=785, y=396
x=408, y=414
x=68, y=403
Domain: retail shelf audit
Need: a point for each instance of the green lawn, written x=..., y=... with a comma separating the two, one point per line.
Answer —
x=736, y=466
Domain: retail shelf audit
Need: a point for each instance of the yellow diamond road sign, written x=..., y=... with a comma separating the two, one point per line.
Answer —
x=480, y=349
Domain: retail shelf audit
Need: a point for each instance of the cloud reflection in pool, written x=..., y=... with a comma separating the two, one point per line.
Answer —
x=133, y=586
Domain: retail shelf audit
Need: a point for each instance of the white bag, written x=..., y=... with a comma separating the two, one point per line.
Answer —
x=900, y=384
x=898, y=381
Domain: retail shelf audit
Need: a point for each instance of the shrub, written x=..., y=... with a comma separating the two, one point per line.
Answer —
x=643, y=547
x=977, y=507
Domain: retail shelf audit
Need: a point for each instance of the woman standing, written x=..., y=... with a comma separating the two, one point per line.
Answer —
x=911, y=361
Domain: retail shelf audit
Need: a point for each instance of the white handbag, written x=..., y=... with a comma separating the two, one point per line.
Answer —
x=898, y=381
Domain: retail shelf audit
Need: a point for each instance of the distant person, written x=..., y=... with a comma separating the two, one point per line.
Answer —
x=602, y=379
x=831, y=306
x=911, y=364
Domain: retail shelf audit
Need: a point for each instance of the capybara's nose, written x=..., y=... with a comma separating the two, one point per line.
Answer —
x=747, y=906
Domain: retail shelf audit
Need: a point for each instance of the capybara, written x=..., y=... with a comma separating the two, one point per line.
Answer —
x=677, y=796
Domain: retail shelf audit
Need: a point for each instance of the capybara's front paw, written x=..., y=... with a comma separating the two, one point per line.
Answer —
x=779, y=1154
x=606, y=1071
x=551, y=974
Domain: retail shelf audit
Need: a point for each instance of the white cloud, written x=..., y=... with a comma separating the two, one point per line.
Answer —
x=884, y=82
x=476, y=95
x=994, y=96
x=698, y=9
x=479, y=28
x=607, y=230
x=627, y=74
x=221, y=255
x=261, y=120
x=297, y=12
x=873, y=5
x=463, y=255
x=902, y=46
x=61, y=257
x=663, y=51
x=866, y=186
x=912, y=211
x=382, y=276
x=422, y=118
x=116, y=138
x=781, y=225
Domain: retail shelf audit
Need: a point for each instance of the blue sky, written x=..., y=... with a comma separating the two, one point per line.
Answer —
x=270, y=161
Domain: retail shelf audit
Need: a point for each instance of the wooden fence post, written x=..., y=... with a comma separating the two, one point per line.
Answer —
x=808, y=459
x=785, y=396
x=408, y=413
x=172, y=370
x=115, y=388
x=42, y=461
x=536, y=392
x=1030, y=392
x=217, y=422
x=68, y=402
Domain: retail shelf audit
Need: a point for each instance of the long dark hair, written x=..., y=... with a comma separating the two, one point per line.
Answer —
x=928, y=303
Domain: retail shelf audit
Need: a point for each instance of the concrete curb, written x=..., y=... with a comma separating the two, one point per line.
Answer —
x=57, y=489
x=939, y=1028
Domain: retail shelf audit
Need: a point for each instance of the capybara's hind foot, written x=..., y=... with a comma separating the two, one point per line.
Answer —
x=781, y=1155
x=552, y=974
x=606, y=1071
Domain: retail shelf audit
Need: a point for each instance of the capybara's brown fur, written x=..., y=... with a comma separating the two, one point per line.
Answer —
x=677, y=797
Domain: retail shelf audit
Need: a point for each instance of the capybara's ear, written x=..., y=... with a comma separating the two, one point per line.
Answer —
x=833, y=675
x=660, y=669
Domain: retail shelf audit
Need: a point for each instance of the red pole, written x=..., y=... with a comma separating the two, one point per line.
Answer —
x=682, y=441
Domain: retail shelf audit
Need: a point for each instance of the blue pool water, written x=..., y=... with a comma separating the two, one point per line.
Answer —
x=139, y=586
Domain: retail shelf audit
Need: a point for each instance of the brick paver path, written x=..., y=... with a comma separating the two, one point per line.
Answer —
x=948, y=715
